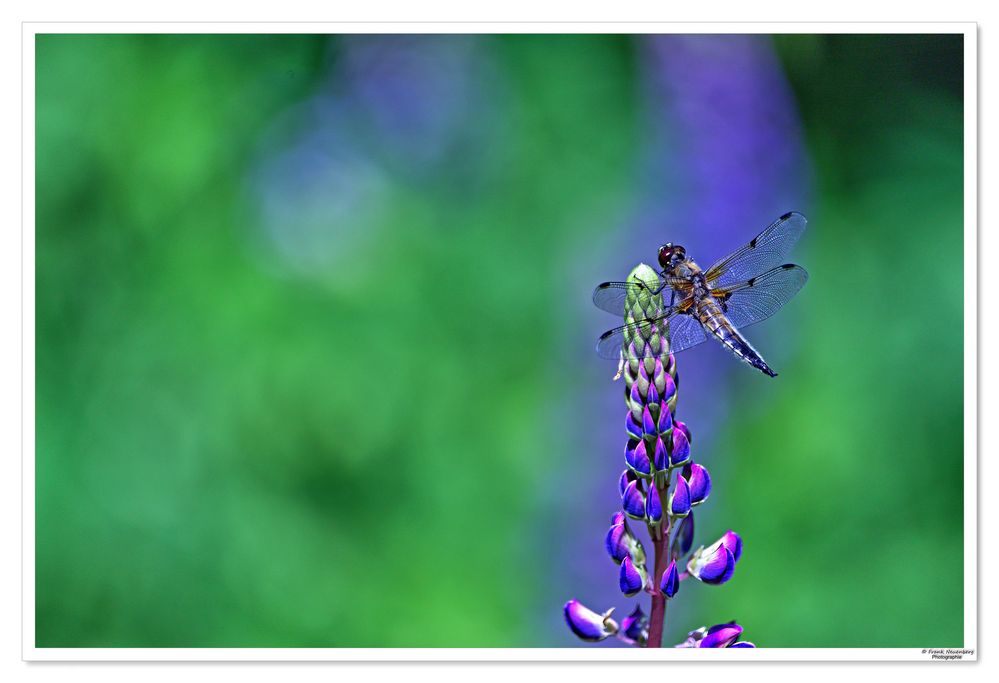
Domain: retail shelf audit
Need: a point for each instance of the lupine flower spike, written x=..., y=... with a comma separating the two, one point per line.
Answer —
x=657, y=444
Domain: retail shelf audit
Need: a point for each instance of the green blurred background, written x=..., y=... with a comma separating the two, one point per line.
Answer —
x=314, y=343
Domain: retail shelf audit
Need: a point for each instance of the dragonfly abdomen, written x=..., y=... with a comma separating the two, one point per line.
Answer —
x=713, y=318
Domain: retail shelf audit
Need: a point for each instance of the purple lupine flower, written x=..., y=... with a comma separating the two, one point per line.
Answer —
x=633, y=428
x=661, y=456
x=733, y=542
x=637, y=458
x=680, y=453
x=665, y=423
x=587, y=624
x=631, y=577
x=653, y=507
x=679, y=502
x=700, y=482
x=633, y=502
x=685, y=535
x=649, y=425
x=683, y=428
x=670, y=583
x=650, y=396
x=635, y=626
x=721, y=635
x=713, y=565
x=718, y=636
x=626, y=478
x=616, y=540
x=621, y=543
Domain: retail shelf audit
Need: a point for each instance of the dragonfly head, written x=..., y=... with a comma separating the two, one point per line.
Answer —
x=671, y=255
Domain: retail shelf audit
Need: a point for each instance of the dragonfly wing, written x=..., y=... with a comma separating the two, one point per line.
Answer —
x=611, y=296
x=767, y=250
x=685, y=331
x=760, y=297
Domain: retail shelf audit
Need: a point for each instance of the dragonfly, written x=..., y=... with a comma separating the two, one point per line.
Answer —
x=747, y=286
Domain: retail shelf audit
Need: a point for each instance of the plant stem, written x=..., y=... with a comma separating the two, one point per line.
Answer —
x=660, y=543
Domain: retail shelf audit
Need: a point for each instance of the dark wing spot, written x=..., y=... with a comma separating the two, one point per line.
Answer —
x=752, y=243
x=786, y=215
x=788, y=266
x=751, y=281
x=603, y=285
x=606, y=334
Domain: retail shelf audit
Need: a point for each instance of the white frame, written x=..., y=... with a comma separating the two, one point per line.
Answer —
x=32, y=653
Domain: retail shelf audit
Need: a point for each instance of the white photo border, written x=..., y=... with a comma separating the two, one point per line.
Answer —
x=30, y=652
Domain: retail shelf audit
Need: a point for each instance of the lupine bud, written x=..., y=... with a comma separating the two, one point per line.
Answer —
x=685, y=535
x=621, y=543
x=633, y=502
x=616, y=540
x=679, y=502
x=626, y=477
x=633, y=428
x=648, y=424
x=664, y=382
x=719, y=636
x=636, y=395
x=733, y=542
x=681, y=449
x=661, y=456
x=713, y=565
x=659, y=380
x=653, y=396
x=683, y=428
x=700, y=482
x=637, y=459
x=587, y=624
x=670, y=582
x=722, y=635
x=665, y=419
x=653, y=506
x=636, y=626
x=631, y=578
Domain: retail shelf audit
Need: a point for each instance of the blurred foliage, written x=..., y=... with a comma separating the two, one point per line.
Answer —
x=234, y=451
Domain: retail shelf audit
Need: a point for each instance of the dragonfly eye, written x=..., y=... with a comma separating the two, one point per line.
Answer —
x=664, y=255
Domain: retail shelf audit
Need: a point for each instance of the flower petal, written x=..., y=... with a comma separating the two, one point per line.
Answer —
x=631, y=578
x=683, y=428
x=636, y=626
x=632, y=427
x=713, y=566
x=616, y=541
x=648, y=424
x=679, y=504
x=670, y=583
x=653, y=506
x=681, y=449
x=700, y=482
x=665, y=423
x=685, y=535
x=637, y=458
x=626, y=477
x=733, y=542
x=633, y=502
x=587, y=624
x=661, y=456
x=721, y=635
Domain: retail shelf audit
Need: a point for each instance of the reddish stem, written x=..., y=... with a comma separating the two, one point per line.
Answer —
x=661, y=545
